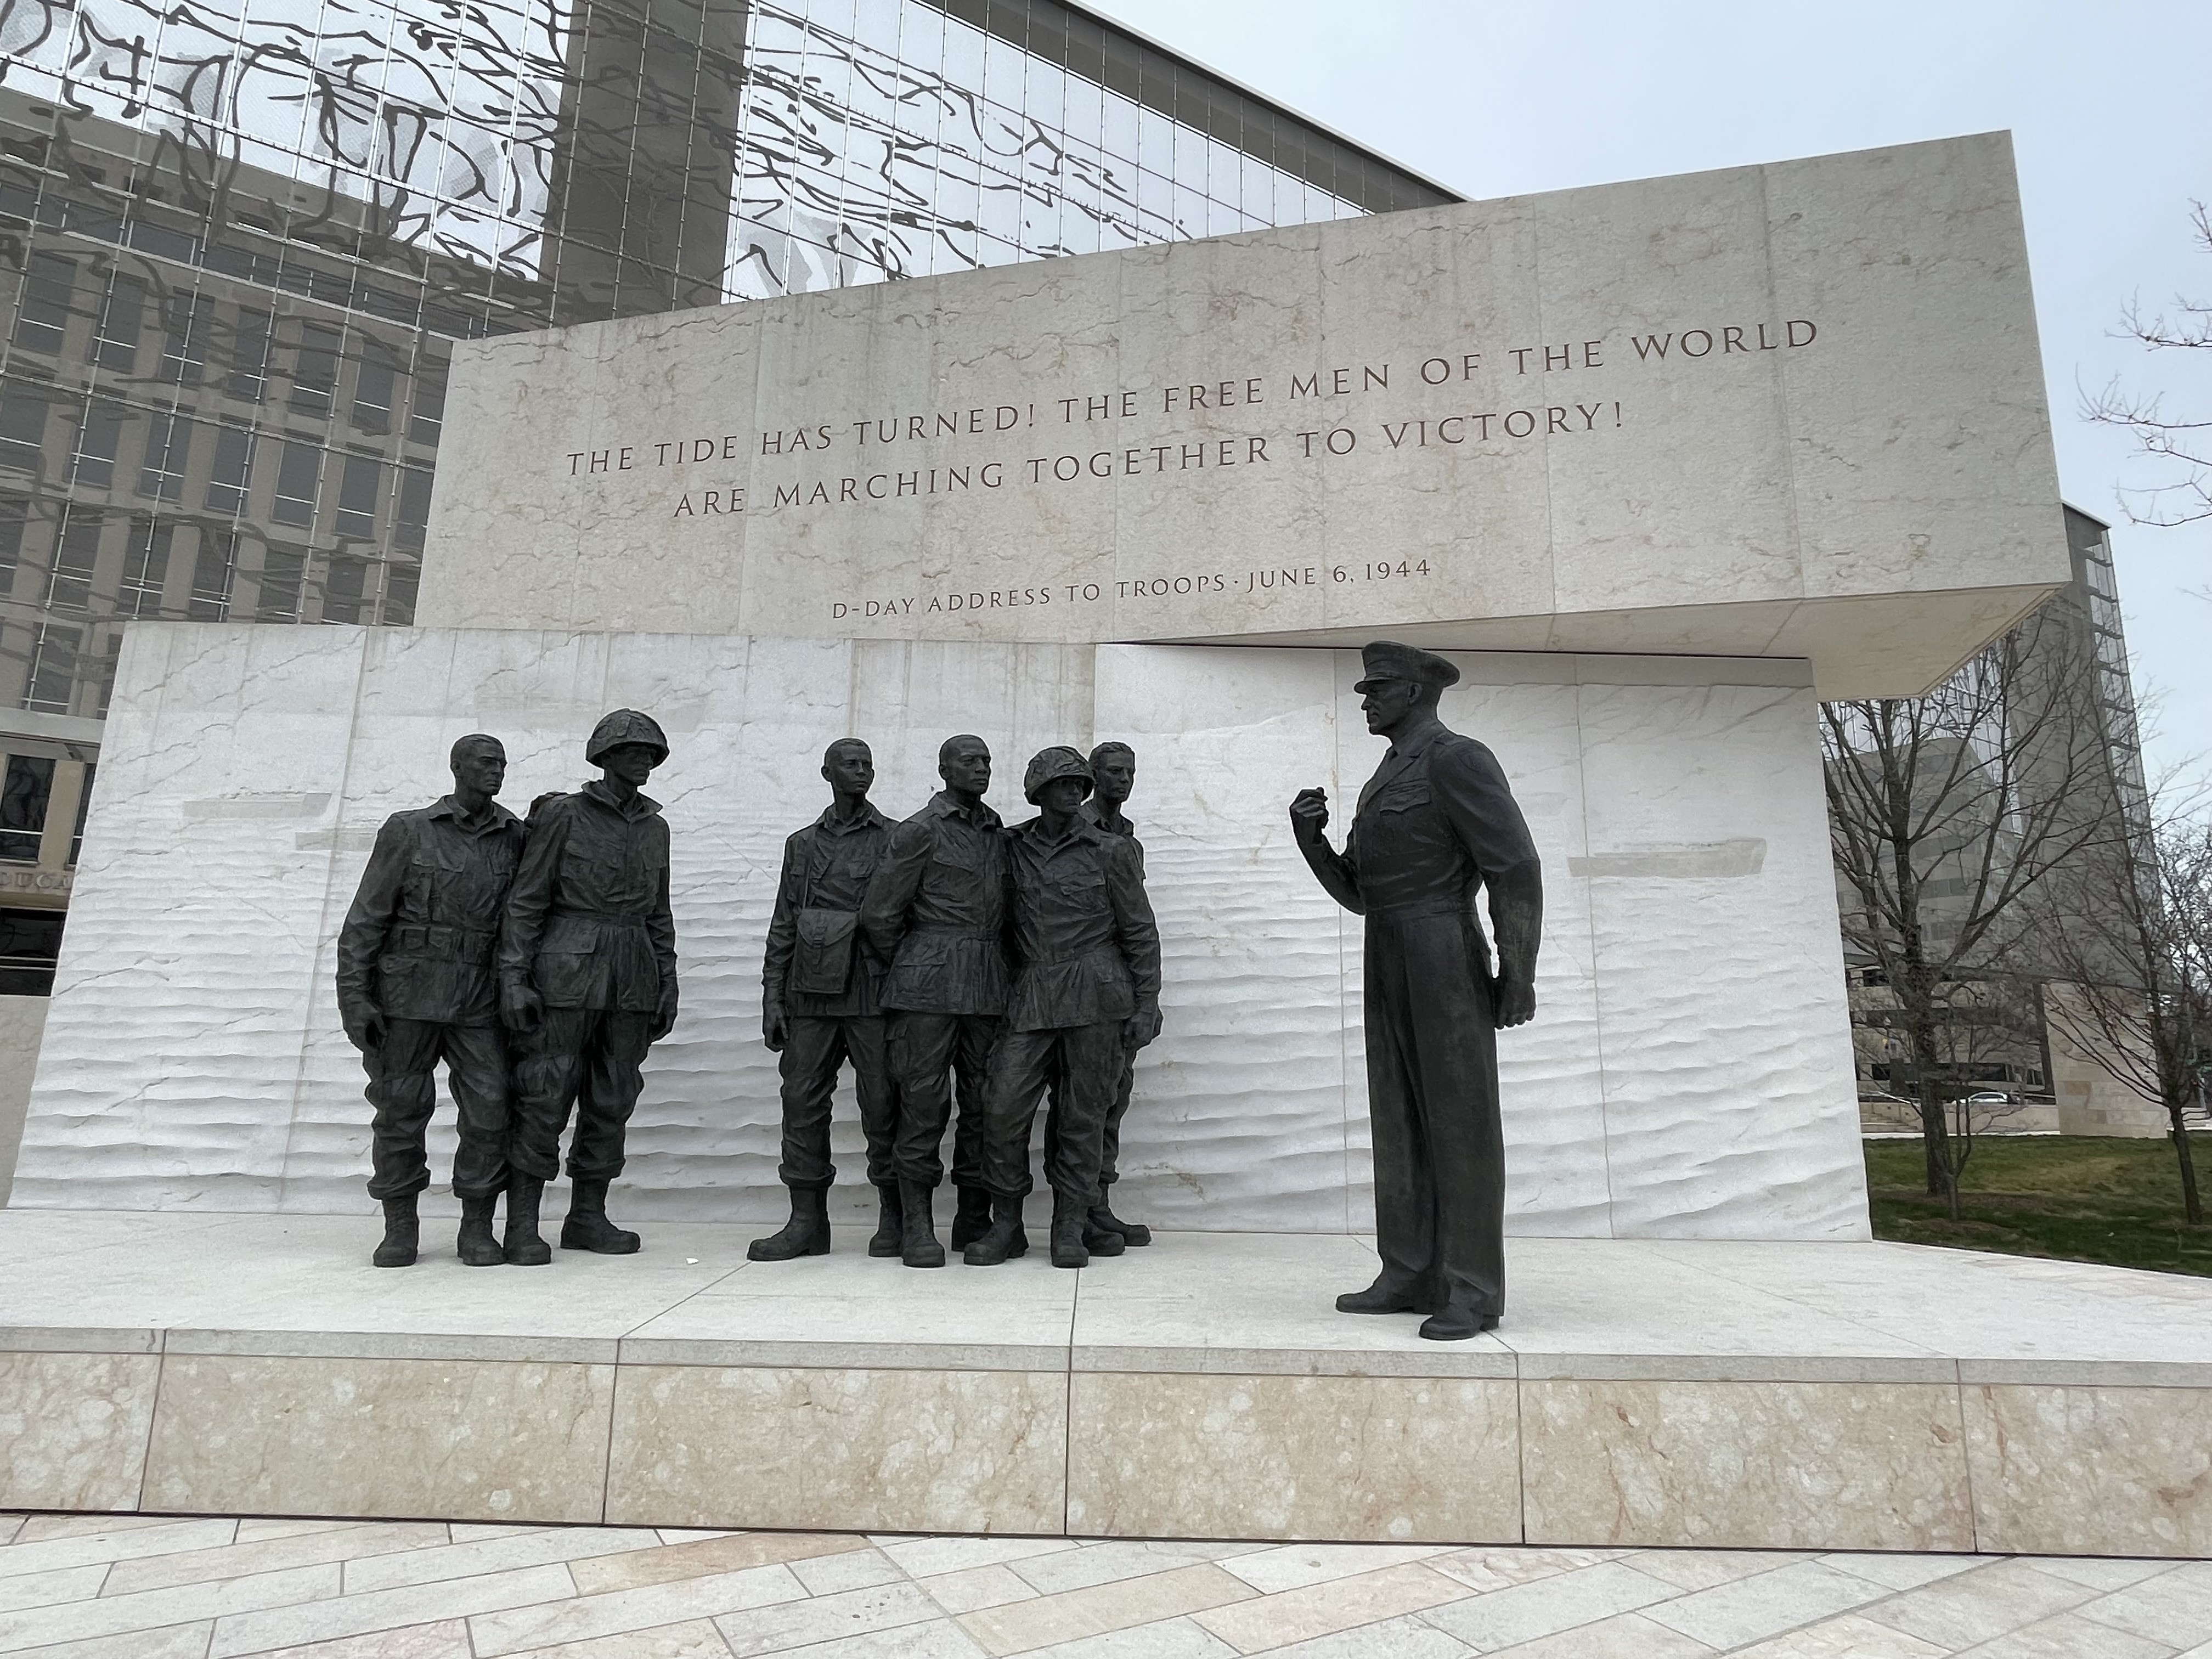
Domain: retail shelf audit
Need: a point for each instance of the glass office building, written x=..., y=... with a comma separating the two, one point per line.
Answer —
x=238, y=237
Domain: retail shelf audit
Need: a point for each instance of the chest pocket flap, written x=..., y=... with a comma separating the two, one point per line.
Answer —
x=1403, y=796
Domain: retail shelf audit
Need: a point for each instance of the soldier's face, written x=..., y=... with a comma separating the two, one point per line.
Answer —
x=1389, y=701
x=481, y=768
x=1116, y=775
x=1062, y=796
x=632, y=762
x=967, y=769
x=851, y=769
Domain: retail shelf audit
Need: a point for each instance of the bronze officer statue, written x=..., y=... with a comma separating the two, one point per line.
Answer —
x=588, y=982
x=937, y=913
x=822, y=1003
x=1088, y=991
x=1436, y=821
x=415, y=987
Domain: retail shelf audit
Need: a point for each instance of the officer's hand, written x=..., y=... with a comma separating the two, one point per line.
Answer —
x=520, y=1008
x=663, y=1020
x=1309, y=814
x=1140, y=1028
x=365, y=1031
x=1516, y=1002
x=776, y=1028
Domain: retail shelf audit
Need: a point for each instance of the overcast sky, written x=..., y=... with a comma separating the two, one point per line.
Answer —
x=2110, y=104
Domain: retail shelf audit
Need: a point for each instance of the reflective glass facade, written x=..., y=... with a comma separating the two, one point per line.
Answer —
x=237, y=239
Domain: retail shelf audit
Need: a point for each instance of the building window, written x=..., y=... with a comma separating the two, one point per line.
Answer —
x=374, y=386
x=315, y=368
x=249, y=355
x=83, y=810
x=53, y=669
x=122, y=314
x=357, y=495
x=145, y=568
x=14, y=514
x=99, y=436
x=184, y=320
x=410, y=513
x=30, y=945
x=343, y=588
x=169, y=447
x=401, y=583
x=429, y=419
x=298, y=473
x=281, y=571
x=23, y=410
x=49, y=286
x=213, y=571
x=23, y=796
x=77, y=558
x=232, y=474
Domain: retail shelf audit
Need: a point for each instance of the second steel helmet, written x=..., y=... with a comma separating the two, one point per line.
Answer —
x=1057, y=762
x=625, y=725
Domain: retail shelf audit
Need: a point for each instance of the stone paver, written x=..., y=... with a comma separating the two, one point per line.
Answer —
x=131, y=1587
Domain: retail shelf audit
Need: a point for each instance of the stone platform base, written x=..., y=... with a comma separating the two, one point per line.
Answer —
x=1807, y=1396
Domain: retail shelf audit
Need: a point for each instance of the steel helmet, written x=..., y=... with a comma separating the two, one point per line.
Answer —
x=625, y=725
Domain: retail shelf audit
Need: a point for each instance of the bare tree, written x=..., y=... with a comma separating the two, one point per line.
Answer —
x=1947, y=814
x=2179, y=446
x=2137, y=958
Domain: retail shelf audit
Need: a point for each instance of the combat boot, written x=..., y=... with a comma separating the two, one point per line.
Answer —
x=476, y=1245
x=889, y=1232
x=973, y=1218
x=523, y=1247
x=1068, y=1217
x=588, y=1229
x=1103, y=1220
x=1004, y=1240
x=1101, y=1241
x=403, y=1231
x=918, y=1245
x=807, y=1233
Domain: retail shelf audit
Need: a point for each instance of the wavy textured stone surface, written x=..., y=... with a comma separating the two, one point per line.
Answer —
x=1688, y=1075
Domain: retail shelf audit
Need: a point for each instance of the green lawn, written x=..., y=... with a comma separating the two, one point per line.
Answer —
x=2078, y=1198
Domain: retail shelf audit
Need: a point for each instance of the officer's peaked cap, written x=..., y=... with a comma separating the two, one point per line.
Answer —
x=624, y=725
x=1387, y=659
x=1058, y=761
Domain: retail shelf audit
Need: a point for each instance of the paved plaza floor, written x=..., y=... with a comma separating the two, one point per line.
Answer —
x=106, y=1587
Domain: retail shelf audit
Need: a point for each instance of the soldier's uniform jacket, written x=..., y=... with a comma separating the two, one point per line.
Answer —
x=1437, y=818
x=1115, y=822
x=1083, y=933
x=587, y=919
x=826, y=867
x=937, y=911
x=419, y=941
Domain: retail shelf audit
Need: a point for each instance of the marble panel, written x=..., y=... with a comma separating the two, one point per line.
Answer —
x=74, y=1428
x=1744, y=1465
x=841, y=1450
x=1711, y=394
x=467, y=1440
x=1395, y=1460
x=1640, y=1100
x=2091, y=1471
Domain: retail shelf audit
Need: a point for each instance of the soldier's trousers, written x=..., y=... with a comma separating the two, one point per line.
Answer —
x=1432, y=1100
x=587, y=1058
x=928, y=1052
x=815, y=1048
x=1088, y=1059
x=1109, y=1150
x=403, y=1087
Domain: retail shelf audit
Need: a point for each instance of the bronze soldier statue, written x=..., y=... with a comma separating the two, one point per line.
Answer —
x=1436, y=821
x=937, y=912
x=1113, y=776
x=1088, y=991
x=821, y=1003
x=415, y=987
x=588, y=980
